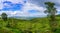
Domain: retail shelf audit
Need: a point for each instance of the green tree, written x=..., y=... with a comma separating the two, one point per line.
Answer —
x=4, y=16
x=51, y=10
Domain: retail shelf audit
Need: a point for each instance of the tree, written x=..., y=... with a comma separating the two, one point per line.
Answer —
x=51, y=10
x=4, y=16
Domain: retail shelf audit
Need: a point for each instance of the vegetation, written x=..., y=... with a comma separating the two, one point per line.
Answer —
x=4, y=16
x=51, y=10
x=36, y=25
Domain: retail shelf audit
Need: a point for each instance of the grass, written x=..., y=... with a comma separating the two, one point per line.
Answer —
x=38, y=25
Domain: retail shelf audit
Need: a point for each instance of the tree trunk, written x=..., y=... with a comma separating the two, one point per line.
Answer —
x=53, y=23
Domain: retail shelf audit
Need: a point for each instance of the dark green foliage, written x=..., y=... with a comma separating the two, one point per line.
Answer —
x=58, y=31
x=50, y=4
x=4, y=16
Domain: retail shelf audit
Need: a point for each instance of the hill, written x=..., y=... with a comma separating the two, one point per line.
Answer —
x=35, y=25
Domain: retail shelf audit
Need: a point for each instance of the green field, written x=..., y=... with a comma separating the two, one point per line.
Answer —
x=36, y=25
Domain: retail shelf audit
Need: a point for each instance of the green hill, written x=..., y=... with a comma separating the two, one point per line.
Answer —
x=36, y=25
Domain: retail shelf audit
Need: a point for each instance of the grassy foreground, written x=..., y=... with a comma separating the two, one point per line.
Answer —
x=36, y=25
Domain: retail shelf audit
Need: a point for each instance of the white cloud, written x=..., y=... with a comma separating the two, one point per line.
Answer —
x=29, y=6
x=1, y=5
x=24, y=12
x=55, y=1
x=13, y=1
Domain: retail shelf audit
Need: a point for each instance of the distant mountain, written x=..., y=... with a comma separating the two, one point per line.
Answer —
x=25, y=18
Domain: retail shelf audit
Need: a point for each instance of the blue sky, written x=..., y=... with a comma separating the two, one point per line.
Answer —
x=26, y=8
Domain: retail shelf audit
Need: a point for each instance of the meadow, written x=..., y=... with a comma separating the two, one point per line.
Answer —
x=36, y=25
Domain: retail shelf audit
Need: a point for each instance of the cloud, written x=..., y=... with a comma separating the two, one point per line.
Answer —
x=9, y=6
x=25, y=12
x=41, y=2
x=22, y=14
x=14, y=1
x=30, y=6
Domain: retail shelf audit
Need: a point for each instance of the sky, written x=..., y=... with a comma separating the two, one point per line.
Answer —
x=26, y=8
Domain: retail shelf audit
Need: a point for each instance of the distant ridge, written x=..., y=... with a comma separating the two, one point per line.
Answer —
x=25, y=18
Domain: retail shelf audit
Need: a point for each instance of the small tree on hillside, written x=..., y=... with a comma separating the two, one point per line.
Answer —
x=4, y=16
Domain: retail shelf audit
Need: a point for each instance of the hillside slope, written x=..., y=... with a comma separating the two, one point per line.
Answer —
x=38, y=25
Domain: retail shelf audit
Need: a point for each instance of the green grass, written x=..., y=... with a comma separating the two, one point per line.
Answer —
x=39, y=25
